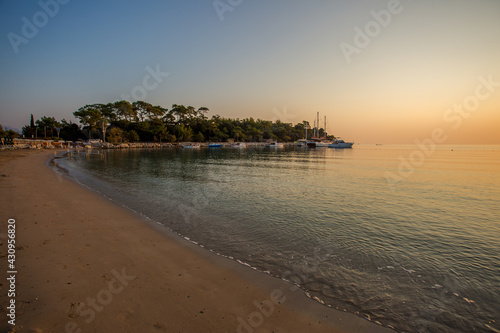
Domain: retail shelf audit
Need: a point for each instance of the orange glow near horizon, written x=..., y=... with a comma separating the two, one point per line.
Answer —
x=396, y=88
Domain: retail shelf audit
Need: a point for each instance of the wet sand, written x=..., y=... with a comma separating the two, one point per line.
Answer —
x=85, y=264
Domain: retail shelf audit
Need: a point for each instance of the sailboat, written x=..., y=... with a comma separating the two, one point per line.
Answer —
x=316, y=141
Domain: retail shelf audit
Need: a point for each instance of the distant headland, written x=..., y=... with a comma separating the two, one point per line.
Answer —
x=125, y=122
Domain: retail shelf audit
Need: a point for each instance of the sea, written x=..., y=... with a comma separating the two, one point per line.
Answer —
x=402, y=235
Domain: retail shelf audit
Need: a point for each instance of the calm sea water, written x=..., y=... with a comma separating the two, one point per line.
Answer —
x=422, y=255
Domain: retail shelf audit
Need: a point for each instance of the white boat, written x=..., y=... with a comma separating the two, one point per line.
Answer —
x=322, y=144
x=301, y=143
x=189, y=145
x=318, y=143
x=275, y=145
x=238, y=145
x=339, y=143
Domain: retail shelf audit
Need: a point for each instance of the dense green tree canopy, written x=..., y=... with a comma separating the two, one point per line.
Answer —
x=142, y=121
x=9, y=134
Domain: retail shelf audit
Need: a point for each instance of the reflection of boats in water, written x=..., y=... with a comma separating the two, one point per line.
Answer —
x=339, y=143
x=238, y=145
x=215, y=145
x=189, y=145
x=275, y=145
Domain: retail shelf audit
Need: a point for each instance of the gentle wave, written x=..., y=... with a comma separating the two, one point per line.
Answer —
x=330, y=218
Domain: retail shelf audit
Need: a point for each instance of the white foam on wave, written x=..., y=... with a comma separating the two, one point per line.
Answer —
x=468, y=300
x=491, y=328
x=317, y=299
x=408, y=270
x=243, y=263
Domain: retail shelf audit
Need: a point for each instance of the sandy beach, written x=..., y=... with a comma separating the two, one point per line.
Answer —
x=86, y=264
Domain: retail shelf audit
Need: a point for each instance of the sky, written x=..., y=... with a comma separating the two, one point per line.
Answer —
x=380, y=71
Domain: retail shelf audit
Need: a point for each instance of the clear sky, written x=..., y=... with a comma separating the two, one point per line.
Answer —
x=381, y=71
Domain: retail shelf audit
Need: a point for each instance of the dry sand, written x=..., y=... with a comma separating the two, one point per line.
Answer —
x=85, y=264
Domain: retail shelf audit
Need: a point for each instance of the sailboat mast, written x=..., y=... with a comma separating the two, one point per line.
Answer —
x=325, y=127
x=317, y=123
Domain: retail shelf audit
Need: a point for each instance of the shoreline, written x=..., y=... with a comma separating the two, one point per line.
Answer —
x=58, y=145
x=84, y=262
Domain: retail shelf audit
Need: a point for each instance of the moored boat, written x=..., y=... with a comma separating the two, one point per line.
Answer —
x=275, y=145
x=238, y=145
x=339, y=143
x=318, y=143
x=301, y=143
x=189, y=145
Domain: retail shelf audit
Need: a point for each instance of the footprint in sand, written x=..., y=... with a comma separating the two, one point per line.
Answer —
x=73, y=310
x=159, y=326
x=129, y=318
x=20, y=306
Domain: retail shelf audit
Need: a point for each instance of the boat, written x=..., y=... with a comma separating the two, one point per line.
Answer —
x=339, y=143
x=189, y=145
x=301, y=143
x=275, y=145
x=323, y=144
x=318, y=143
x=215, y=145
x=238, y=145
